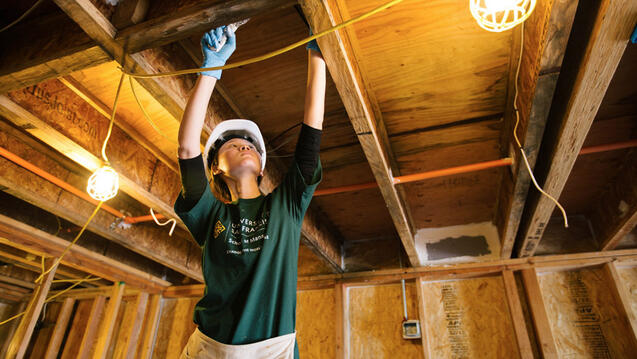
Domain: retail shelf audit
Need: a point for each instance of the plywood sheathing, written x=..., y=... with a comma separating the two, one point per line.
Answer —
x=316, y=323
x=375, y=314
x=584, y=315
x=467, y=317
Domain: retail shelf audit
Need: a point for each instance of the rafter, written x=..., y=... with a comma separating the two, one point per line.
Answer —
x=579, y=94
x=546, y=34
x=369, y=129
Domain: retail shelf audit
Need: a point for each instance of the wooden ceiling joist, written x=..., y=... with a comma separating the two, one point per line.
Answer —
x=173, y=95
x=179, y=252
x=29, y=58
x=25, y=237
x=615, y=214
x=546, y=34
x=322, y=14
x=202, y=17
x=578, y=97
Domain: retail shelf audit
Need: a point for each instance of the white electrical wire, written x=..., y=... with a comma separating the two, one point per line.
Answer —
x=174, y=222
x=515, y=133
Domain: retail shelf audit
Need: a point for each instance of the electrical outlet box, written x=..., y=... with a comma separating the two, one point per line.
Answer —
x=411, y=329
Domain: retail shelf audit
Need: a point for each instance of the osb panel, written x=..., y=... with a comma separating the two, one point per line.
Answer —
x=429, y=63
x=316, y=323
x=375, y=317
x=628, y=277
x=469, y=319
x=310, y=264
x=584, y=316
x=175, y=327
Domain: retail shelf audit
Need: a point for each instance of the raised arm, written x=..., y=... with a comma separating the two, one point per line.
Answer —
x=195, y=112
x=315, y=92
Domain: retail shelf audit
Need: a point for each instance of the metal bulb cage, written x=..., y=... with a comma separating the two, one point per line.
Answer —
x=103, y=184
x=501, y=15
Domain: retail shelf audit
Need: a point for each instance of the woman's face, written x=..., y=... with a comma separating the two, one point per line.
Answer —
x=238, y=157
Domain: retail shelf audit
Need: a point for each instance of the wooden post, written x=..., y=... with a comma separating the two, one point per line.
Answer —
x=152, y=321
x=517, y=316
x=622, y=298
x=426, y=348
x=20, y=341
x=130, y=346
x=90, y=332
x=538, y=311
x=60, y=327
x=108, y=322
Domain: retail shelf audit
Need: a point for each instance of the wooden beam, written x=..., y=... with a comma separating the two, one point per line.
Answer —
x=517, y=315
x=178, y=253
x=28, y=57
x=422, y=316
x=108, y=321
x=129, y=347
x=541, y=322
x=369, y=129
x=25, y=237
x=59, y=330
x=20, y=341
x=615, y=214
x=90, y=332
x=579, y=94
x=130, y=181
x=340, y=320
x=546, y=34
x=622, y=297
x=196, y=19
x=130, y=12
x=150, y=329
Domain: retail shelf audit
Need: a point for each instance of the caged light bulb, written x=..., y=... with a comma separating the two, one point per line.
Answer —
x=501, y=15
x=103, y=183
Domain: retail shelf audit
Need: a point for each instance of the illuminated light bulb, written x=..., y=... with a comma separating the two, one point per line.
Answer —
x=501, y=15
x=103, y=183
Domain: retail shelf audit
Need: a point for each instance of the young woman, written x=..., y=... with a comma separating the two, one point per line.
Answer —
x=250, y=240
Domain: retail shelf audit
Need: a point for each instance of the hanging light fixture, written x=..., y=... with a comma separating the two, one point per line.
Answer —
x=103, y=183
x=501, y=15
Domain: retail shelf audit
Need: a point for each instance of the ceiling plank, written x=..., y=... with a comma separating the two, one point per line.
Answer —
x=192, y=20
x=615, y=214
x=577, y=100
x=322, y=14
x=33, y=240
x=148, y=241
x=546, y=34
x=28, y=58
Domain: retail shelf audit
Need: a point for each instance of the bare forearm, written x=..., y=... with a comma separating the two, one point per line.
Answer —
x=194, y=117
x=315, y=92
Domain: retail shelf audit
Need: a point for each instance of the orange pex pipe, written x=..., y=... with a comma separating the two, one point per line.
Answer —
x=608, y=147
x=66, y=186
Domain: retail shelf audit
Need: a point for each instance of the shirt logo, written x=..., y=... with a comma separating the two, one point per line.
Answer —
x=218, y=229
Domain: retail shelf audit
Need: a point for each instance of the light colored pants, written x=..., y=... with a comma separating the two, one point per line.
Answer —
x=200, y=346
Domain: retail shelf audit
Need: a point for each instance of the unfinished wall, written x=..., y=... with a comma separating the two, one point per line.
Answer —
x=468, y=317
x=175, y=327
x=584, y=315
x=316, y=323
x=374, y=320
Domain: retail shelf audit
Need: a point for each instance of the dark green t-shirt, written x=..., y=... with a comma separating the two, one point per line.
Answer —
x=250, y=255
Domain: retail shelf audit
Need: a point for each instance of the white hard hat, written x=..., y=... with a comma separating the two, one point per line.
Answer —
x=228, y=130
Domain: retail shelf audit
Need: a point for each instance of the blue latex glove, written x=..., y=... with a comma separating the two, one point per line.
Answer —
x=212, y=58
x=313, y=45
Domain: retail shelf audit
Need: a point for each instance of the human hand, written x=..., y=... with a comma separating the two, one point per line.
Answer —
x=212, y=58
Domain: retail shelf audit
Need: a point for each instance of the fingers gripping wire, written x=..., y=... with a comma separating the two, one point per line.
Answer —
x=515, y=133
x=174, y=222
